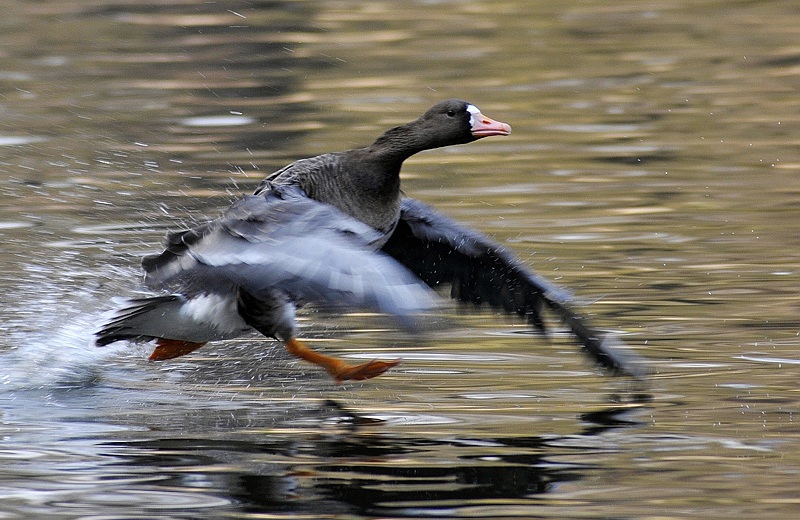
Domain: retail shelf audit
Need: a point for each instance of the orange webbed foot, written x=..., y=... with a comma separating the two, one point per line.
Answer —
x=172, y=348
x=367, y=370
x=340, y=370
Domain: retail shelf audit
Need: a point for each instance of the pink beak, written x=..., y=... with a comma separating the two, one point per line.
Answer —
x=483, y=126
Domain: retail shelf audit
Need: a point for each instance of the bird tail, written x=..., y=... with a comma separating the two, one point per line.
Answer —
x=142, y=319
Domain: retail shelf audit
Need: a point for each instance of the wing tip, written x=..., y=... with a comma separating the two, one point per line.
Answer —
x=616, y=357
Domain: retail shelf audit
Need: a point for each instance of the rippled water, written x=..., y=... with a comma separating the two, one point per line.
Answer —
x=652, y=170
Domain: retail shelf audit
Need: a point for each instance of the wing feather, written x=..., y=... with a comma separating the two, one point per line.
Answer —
x=284, y=240
x=440, y=251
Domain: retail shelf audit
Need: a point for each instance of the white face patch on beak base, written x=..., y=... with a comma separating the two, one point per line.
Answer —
x=482, y=126
x=474, y=115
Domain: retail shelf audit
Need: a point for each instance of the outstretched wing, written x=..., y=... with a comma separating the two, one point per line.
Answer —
x=283, y=240
x=440, y=251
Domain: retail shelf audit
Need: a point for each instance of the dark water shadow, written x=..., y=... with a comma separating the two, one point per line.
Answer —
x=346, y=464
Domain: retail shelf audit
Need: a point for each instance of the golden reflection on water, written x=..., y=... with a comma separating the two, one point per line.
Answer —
x=652, y=171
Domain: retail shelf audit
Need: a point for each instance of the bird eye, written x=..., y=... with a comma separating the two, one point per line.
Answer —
x=451, y=113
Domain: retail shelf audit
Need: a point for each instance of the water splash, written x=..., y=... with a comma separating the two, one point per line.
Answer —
x=63, y=356
x=48, y=339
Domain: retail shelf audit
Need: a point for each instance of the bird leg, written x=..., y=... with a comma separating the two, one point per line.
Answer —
x=340, y=370
x=172, y=348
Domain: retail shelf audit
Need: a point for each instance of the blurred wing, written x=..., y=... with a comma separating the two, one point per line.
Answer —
x=440, y=251
x=289, y=242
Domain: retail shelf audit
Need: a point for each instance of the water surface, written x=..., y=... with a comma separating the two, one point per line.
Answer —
x=652, y=171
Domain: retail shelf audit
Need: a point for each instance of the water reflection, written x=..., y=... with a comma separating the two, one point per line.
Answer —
x=358, y=470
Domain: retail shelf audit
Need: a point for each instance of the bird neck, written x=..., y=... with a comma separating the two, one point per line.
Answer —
x=401, y=142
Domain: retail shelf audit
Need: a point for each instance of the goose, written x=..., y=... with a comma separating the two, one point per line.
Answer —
x=336, y=229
